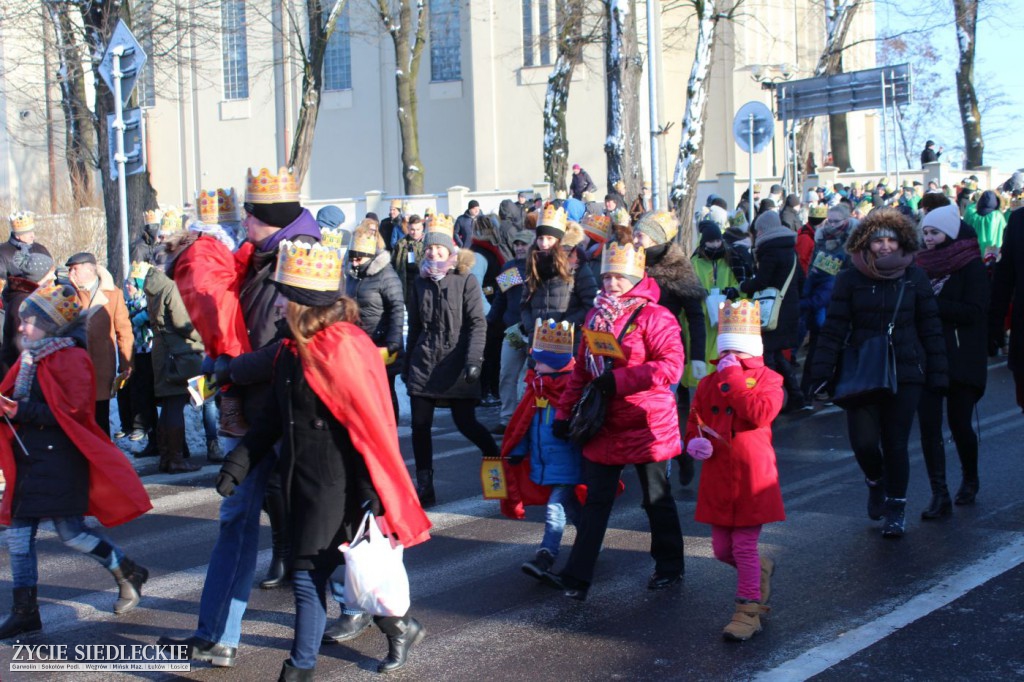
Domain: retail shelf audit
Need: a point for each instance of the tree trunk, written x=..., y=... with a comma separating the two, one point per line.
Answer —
x=839, y=134
x=624, y=69
x=408, y=52
x=556, y=100
x=966, y=13
x=80, y=139
x=690, y=161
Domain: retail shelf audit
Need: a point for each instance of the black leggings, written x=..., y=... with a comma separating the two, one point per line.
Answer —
x=879, y=434
x=959, y=406
x=464, y=416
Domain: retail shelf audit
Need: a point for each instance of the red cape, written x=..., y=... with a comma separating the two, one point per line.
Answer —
x=344, y=369
x=209, y=279
x=116, y=495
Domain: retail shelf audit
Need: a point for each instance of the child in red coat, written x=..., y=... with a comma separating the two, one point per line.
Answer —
x=730, y=428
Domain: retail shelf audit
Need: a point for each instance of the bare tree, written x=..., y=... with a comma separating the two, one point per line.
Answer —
x=623, y=71
x=409, y=38
x=569, y=44
x=966, y=14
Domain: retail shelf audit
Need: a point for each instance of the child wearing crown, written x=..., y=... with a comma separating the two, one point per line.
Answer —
x=730, y=427
x=552, y=464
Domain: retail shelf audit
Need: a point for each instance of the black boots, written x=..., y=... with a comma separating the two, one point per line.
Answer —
x=403, y=634
x=130, y=577
x=539, y=565
x=940, y=507
x=277, y=574
x=171, y=442
x=291, y=674
x=876, y=499
x=425, y=487
x=968, y=491
x=347, y=627
x=686, y=470
x=24, y=614
x=895, y=520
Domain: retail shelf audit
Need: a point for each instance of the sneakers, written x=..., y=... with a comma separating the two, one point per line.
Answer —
x=745, y=623
x=199, y=649
x=876, y=499
x=136, y=435
x=767, y=570
x=119, y=434
x=539, y=565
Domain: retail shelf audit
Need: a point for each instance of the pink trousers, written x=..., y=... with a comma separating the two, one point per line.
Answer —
x=738, y=548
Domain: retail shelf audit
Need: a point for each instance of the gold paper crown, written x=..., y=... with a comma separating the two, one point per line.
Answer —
x=333, y=238
x=554, y=337
x=171, y=222
x=442, y=223
x=573, y=236
x=315, y=267
x=396, y=203
x=553, y=217
x=819, y=211
x=217, y=206
x=597, y=227
x=667, y=221
x=739, y=317
x=58, y=302
x=139, y=270
x=623, y=259
x=271, y=189
x=365, y=238
x=620, y=216
x=151, y=217
x=22, y=221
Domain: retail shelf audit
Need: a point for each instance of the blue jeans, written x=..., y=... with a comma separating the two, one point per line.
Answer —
x=211, y=417
x=563, y=503
x=310, y=590
x=233, y=560
x=21, y=544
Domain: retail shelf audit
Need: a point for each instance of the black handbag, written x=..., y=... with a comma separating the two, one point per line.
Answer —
x=589, y=411
x=868, y=371
x=181, y=367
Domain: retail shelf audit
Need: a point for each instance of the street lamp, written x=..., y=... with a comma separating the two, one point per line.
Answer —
x=769, y=76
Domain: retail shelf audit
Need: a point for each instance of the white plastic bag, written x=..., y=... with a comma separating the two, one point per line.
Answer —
x=375, y=577
x=713, y=300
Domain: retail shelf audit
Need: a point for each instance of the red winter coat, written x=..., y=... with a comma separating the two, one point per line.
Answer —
x=805, y=247
x=739, y=483
x=641, y=423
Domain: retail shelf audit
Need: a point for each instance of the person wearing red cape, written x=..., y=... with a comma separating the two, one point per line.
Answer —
x=57, y=462
x=332, y=413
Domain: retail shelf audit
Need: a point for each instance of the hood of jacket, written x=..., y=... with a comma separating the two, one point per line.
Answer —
x=378, y=263
x=860, y=237
x=988, y=202
x=506, y=209
x=464, y=261
x=647, y=288
x=674, y=274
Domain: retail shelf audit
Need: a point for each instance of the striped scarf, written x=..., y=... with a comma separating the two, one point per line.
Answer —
x=30, y=357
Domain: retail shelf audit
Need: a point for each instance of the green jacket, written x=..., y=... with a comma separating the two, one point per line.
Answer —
x=177, y=348
x=712, y=275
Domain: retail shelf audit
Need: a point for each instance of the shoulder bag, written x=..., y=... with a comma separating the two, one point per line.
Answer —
x=589, y=411
x=770, y=301
x=868, y=371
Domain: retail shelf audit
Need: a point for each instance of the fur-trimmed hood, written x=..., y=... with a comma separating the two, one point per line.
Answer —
x=464, y=261
x=379, y=262
x=906, y=232
x=675, y=275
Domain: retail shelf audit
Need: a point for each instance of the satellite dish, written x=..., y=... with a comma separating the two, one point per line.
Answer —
x=763, y=126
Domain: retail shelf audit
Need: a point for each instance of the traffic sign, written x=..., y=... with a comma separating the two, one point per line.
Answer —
x=124, y=45
x=134, y=142
x=763, y=127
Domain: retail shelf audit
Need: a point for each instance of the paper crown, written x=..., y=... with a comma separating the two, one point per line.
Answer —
x=365, y=238
x=315, y=267
x=597, y=227
x=333, y=238
x=442, y=223
x=666, y=221
x=217, y=206
x=561, y=194
x=265, y=188
x=171, y=222
x=620, y=217
x=22, y=221
x=152, y=217
x=623, y=259
x=854, y=185
x=573, y=236
x=553, y=337
x=139, y=270
x=864, y=207
x=57, y=301
x=739, y=317
x=819, y=211
x=396, y=203
x=553, y=217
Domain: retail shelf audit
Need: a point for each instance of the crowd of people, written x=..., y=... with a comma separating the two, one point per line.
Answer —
x=548, y=309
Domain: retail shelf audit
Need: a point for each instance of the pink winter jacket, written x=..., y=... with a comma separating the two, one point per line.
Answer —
x=641, y=423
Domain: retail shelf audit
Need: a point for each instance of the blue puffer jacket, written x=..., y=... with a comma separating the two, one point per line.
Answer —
x=553, y=461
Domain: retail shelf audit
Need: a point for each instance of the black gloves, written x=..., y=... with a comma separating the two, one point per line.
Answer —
x=605, y=383
x=560, y=429
x=516, y=459
x=731, y=293
x=472, y=373
x=226, y=484
x=222, y=370
x=208, y=365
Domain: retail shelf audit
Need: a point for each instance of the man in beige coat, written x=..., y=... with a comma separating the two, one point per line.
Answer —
x=108, y=330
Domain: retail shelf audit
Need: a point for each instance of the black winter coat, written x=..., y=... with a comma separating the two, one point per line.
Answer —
x=447, y=332
x=1007, y=287
x=963, y=311
x=775, y=259
x=862, y=307
x=323, y=478
x=581, y=182
x=559, y=300
x=681, y=291
x=378, y=291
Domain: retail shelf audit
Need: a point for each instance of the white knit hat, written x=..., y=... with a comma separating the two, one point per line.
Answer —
x=945, y=219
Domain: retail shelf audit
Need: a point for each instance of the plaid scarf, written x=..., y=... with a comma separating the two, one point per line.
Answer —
x=608, y=309
x=30, y=357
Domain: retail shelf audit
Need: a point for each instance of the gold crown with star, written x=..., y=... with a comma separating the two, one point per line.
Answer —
x=623, y=259
x=553, y=217
x=217, y=206
x=554, y=337
x=597, y=227
x=739, y=317
x=267, y=188
x=315, y=267
x=22, y=221
x=152, y=217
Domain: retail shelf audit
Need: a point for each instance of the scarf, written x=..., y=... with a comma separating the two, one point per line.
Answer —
x=608, y=309
x=832, y=236
x=886, y=267
x=30, y=357
x=437, y=269
x=940, y=263
x=545, y=264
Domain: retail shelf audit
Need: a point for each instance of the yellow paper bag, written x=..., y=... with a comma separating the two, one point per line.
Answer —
x=604, y=344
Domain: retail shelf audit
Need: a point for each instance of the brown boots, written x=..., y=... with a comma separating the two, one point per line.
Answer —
x=232, y=420
x=171, y=442
x=746, y=621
